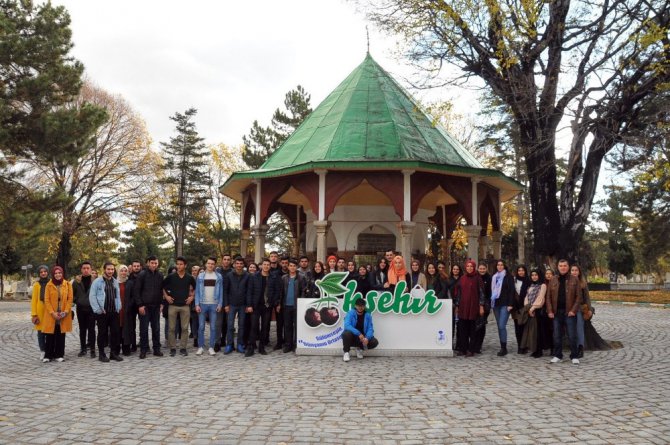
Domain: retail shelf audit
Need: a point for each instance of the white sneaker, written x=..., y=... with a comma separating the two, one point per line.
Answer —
x=555, y=360
x=199, y=351
x=60, y=359
x=211, y=351
x=45, y=360
x=41, y=355
x=346, y=357
x=575, y=361
x=359, y=353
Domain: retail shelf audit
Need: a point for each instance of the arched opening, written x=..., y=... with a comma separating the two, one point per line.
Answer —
x=374, y=240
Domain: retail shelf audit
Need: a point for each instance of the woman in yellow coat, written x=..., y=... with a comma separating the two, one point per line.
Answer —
x=37, y=306
x=57, y=315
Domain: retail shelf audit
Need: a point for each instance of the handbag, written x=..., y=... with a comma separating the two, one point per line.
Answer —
x=587, y=313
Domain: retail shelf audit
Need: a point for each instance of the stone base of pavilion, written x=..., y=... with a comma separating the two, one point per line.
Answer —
x=379, y=352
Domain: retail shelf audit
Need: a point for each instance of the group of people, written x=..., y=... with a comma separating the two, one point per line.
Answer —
x=252, y=294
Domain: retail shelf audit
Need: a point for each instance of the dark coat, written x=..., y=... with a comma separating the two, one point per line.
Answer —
x=80, y=294
x=148, y=288
x=299, y=288
x=507, y=291
x=363, y=284
x=236, y=289
x=311, y=289
x=256, y=286
x=378, y=278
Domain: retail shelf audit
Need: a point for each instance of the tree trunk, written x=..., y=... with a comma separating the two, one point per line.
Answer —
x=545, y=219
x=2, y=287
x=64, y=255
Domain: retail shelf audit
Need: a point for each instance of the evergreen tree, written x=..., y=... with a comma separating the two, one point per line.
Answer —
x=261, y=142
x=40, y=80
x=186, y=177
x=620, y=258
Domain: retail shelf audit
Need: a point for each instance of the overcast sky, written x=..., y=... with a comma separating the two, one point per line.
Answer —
x=233, y=61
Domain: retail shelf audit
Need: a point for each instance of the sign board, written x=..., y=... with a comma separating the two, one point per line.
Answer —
x=405, y=322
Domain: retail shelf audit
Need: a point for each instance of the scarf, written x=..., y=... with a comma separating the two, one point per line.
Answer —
x=496, y=286
x=54, y=280
x=122, y=280
x=533, y=291
x=43, y=282
x=396, y=275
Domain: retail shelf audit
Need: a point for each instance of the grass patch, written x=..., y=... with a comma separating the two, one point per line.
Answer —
x=654, y=296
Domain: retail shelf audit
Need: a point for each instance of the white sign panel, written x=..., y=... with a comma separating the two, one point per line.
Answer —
x=414, y=323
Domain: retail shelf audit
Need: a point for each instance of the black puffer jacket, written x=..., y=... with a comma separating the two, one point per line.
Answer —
x=148, y=288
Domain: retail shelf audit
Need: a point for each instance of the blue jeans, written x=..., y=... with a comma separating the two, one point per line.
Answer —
x=239, y=310
x=213, y=335
x=561, y=319
x=41, y=340
x=502, y=316
x=580, y=328
x=152, y=315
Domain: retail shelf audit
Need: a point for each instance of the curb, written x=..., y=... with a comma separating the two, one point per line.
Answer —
x=634, y=303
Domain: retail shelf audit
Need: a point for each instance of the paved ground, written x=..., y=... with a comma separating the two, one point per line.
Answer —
x=620, y=396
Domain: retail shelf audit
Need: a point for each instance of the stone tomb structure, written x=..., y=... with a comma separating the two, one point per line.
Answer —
x=368, y=170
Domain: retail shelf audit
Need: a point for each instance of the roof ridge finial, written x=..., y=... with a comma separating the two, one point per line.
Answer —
x=368, y=36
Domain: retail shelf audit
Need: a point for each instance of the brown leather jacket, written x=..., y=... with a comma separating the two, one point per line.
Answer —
x=572, y=295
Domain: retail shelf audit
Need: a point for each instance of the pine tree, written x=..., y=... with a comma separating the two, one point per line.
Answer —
x=620, y=258
x=186, y=177
x=261, y=141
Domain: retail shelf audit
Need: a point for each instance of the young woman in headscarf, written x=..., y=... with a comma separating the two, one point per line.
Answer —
x=379, y=279
x=417, y=277
x=37, y=306
x=57, y=319
x=502, y=299
x=125, y=302
x=533, y=329
x=398, y=272
x=521, y=283
x=468, y=305
x=331, y=264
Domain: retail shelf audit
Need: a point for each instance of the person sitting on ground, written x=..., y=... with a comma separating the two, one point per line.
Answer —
x=358, y=330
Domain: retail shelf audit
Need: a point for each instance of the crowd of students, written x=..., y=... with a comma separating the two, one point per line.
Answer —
x=542, y=305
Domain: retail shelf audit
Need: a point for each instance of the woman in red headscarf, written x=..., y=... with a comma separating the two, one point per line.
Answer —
x=398, y=272
x=57, y=318
x=469, y=304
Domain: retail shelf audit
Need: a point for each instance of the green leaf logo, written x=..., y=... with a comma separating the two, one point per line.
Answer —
x=331, y=285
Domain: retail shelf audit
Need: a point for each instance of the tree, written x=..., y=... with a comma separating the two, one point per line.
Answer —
x=39, y=78
x=10, y=263
x=140, y=242
x=221, y=210
x=261, y=142
x=648, y=199
x=601, y=65
x=108, y=178
x=620, y=258
x=185, y=175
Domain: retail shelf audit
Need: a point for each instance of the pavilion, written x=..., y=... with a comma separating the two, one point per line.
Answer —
x=368, y=170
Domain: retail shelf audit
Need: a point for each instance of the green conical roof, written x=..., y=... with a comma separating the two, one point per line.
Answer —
x=369, y=117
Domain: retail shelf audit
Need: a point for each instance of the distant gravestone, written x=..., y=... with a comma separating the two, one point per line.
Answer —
x=22, y=291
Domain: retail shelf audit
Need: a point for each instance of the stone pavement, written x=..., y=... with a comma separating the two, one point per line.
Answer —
x=620, y=396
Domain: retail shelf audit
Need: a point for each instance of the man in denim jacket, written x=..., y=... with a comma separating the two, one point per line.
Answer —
x=208, y=301
x=105, y=299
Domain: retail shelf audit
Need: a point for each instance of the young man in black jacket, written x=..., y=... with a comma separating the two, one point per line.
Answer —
x=292, y=288
x=148, y=295
x=264, y=295
x=85, y=315
x=236, y=301
x=222, y=321
x=129, y=330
